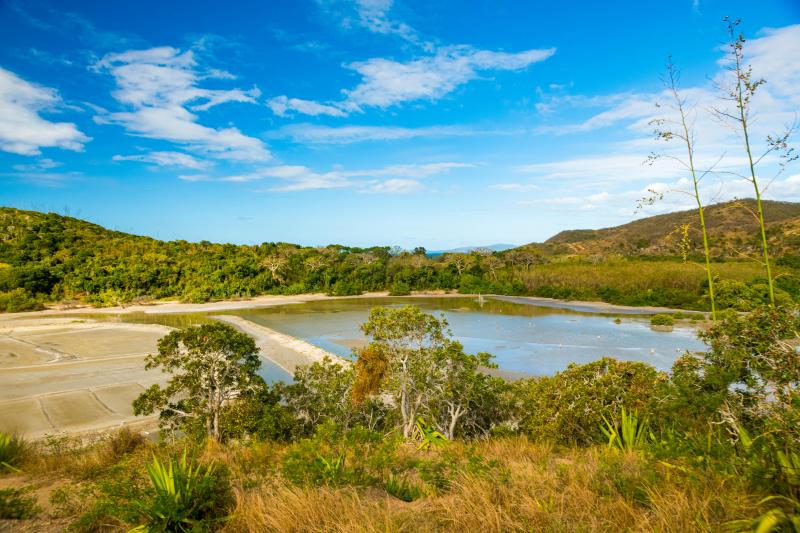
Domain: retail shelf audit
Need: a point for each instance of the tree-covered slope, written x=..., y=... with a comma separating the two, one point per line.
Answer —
x=46, y=258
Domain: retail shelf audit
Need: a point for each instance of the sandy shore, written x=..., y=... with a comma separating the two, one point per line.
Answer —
x=171, y=307
x=174, y=306
x=284, y=350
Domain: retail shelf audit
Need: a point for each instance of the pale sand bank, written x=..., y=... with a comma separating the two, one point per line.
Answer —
x=68, y=377
x=284, y=350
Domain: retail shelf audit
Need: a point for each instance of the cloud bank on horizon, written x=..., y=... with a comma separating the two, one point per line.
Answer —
x=439, y=125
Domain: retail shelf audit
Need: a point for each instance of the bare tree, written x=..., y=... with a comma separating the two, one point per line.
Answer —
x=739, y=90
x=680, y=129
x=276, y=264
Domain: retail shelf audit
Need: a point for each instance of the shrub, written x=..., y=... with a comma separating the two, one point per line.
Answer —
x=124, y=442
x=661, y=320
x=343, y=288
x=18, y=300
x=12, y=449
x=569, y=407
x=186, y=496
x=17, y=504
x=400, y=288
x=402, y=489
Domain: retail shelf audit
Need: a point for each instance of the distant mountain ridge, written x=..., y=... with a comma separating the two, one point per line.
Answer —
x=499, y=247
x=732, y=229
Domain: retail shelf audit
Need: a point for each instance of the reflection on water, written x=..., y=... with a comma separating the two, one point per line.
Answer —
x=524, y=338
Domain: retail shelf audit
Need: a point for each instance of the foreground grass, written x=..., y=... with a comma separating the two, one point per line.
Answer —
x=507, y=484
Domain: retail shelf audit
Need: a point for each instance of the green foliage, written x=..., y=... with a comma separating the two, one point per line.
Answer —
x=334, y=456
x=47, y=257
x=628, y=432
x=570, y=407
x=17, y=300
x=748, y=296
x=400, y=288
x=186, y=496
x=402, y=488
x=12, y=450
x=211, y=365
x=428, y=436
x=662, y=320
x=18, y=504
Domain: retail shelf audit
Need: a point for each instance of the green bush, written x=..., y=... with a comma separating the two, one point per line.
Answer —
x=17, y=504
x=569, y=407
x=12, y=449
x=333, y=457
x=402, y=489
x=186, y=496
x=343, y=288
x=18, y=300
x=400, y=288
x=661, y=320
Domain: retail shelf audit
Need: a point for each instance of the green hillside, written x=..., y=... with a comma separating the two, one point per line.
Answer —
x=49, y=258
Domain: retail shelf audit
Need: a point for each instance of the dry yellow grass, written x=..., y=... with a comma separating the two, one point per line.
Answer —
x=570, y=490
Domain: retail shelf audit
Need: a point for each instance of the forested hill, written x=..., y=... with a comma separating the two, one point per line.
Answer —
x=48, y=258
x=732, y=230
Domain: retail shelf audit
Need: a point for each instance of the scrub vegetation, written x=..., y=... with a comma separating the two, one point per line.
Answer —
x=415, y=437
x=48, y=258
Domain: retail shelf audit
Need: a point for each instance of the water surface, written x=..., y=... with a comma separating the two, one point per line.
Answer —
x=524, y=338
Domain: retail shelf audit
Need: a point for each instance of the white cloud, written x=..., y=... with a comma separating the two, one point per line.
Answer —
x=373, y=16
x=166, y=159
x=283, y=106
x=388, y=179
x=386, y=82
x=614, y=179
x=514, y=186
x=41, y=164
x=395, y=186
x=22, y=130
x=313, y=134
x=161, y=87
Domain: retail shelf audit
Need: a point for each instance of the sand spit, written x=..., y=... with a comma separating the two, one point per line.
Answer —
x=284, y=350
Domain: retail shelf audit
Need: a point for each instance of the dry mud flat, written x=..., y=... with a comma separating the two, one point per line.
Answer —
x=62, y=375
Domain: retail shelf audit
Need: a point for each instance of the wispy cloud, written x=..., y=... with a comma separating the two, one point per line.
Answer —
x=161, y=89
x=313, y=134
x=616, y=177
x=38, y=166
x=392, y=179
x=283, y=106
x=385, y=82
x=22, y=129
x=374, y=16
x=166, y=159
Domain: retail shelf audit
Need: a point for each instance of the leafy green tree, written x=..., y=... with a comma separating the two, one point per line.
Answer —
x=409, y=340
x=211, y=365
x=322, y=392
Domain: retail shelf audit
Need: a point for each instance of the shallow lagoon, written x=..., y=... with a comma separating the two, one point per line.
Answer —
x=524, y=338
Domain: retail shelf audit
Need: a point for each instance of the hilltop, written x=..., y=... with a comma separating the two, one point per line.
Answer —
x=732, y=229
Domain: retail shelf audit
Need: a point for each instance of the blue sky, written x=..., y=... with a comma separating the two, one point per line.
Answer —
x=362, y=122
